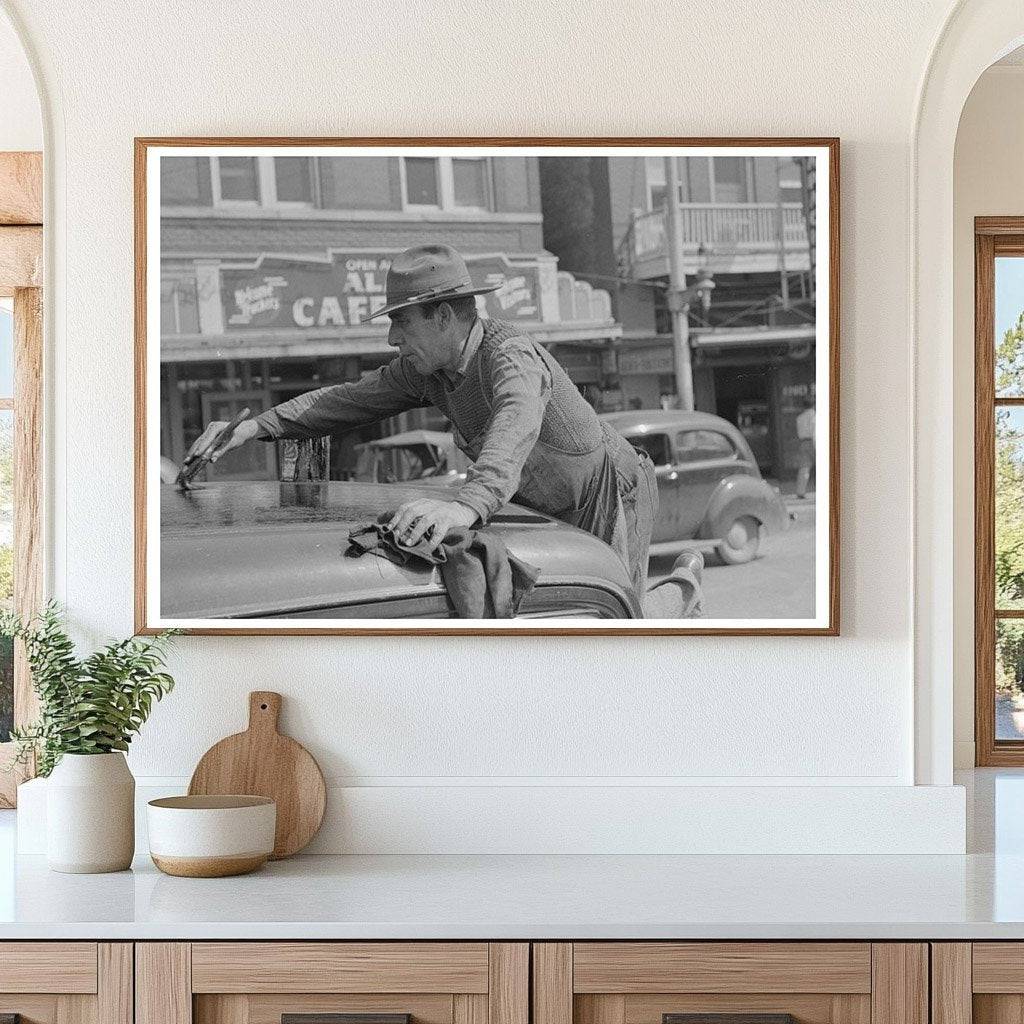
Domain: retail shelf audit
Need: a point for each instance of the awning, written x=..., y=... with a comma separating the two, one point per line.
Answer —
x=372, y=339
x=733, y=337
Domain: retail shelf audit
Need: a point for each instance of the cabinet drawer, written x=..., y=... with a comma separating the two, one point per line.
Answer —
x=635, y=967
x=48, y=967
x=261, y=982
x=340, y=967
x=66, y=982
x=998, y=967
x=735, y=982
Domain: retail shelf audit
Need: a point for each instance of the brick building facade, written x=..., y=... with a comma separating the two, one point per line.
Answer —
x=269, y=262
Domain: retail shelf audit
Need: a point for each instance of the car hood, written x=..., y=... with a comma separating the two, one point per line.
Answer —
x=269, y=549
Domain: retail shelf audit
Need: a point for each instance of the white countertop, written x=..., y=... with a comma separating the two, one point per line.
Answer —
x=977, y=896
x=532, y=897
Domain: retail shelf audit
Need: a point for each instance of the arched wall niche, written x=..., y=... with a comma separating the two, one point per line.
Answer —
x=975, y=35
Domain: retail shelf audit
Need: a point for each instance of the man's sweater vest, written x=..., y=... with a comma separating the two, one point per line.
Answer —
x=570, y=424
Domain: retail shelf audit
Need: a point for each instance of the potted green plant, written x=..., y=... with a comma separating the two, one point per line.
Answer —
x=89, y=710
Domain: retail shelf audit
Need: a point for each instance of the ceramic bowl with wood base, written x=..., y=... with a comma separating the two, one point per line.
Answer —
x=211, y=836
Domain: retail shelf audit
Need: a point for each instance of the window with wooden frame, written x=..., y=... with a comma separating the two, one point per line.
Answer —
x=21, y=366
x=999, y=490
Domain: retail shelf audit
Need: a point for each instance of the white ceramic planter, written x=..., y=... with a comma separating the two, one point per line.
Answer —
x=90, y=814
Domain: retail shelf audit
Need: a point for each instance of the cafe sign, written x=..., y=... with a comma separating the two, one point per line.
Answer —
x=295, y=293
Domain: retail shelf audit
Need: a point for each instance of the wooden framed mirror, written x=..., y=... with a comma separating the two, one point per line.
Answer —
x=21, y=388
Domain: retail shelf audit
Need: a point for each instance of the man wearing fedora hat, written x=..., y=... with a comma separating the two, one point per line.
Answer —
x=525, y=426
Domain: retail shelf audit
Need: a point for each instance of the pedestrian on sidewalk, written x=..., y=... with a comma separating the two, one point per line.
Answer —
x=805, y=423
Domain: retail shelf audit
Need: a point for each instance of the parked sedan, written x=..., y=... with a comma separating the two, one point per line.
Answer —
x=276, y=550
x=710, y=489
x=413, y=455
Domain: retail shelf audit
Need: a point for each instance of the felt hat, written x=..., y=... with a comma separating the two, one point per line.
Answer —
x=427, y=273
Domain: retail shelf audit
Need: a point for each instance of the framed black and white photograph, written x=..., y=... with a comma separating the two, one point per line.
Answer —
x=487, y=386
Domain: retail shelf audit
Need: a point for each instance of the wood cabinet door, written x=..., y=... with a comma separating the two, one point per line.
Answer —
x=730, y=983
x=66, y=982
x=308, y=982
x=980, y=982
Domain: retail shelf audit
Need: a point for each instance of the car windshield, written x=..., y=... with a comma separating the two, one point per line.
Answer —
x=410, y=462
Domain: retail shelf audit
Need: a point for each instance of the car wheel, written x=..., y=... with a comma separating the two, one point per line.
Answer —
x=741, y=541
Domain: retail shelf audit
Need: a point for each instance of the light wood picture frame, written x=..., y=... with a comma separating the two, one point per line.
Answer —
x=241, y=300
x=21, y=279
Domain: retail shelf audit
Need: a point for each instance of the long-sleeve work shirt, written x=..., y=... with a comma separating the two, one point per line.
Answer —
x=516, y=414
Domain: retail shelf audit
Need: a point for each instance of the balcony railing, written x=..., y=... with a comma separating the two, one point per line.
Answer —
x=722, y=227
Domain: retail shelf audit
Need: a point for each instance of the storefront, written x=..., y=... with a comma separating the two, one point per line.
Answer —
x=252, y=333
x=755, y=377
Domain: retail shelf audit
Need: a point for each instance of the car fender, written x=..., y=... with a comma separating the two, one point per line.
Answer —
x=739, y=496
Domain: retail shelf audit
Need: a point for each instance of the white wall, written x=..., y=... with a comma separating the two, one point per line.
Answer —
x=447, y=714
x=988, y=181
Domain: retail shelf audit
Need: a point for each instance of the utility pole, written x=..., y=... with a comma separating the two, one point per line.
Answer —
x=808, y=177
x=678, y=298
x=780, y=223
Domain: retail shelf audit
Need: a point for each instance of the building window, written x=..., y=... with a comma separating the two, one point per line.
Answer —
x=717, y=180
x=447, y=183
x=790, y=181
x=238, y=179
x=470, y=184
x=999, y=494
x=293, y=179
x=730, y=177
x=656, y=188
x=422, y=181
x=179, y=309
x=185, y=181
x=699, y=178
x=360, y=183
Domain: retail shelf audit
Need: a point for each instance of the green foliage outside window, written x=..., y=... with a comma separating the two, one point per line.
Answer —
x=1009, y=509
x=7, y=458
x=6, y=574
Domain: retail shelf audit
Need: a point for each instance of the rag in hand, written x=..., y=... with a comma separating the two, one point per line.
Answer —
x=483, y=580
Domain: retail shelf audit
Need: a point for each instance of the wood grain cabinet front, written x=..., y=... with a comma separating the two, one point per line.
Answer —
x=332, y=983
x=979, y=982
x=66, y=982
x=730, y=983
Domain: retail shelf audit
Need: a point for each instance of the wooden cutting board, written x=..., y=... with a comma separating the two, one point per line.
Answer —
x=262, y=762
